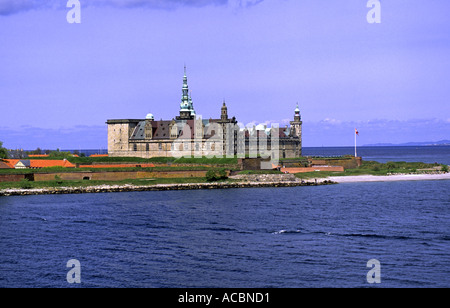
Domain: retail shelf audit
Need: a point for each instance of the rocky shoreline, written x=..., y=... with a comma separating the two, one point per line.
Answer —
x=241, y=181
x=157, y=187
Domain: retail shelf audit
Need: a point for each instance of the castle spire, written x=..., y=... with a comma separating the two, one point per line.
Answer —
x=224, y=112
x=297, y=116
x=186, y=105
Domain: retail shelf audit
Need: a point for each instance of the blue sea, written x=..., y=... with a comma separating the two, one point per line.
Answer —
x=315, y=236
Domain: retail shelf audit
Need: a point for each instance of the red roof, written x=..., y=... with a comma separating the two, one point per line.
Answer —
x=41, y=163
x=38, y=163
x=11, y=162
x=4, y=165
x=119, y=166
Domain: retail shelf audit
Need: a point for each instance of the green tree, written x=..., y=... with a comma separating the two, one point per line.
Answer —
x=216, y=175
x=390, y=165
x=59, y=154
x=3, y=151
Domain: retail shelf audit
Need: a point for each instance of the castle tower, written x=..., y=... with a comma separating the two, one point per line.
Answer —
x=187, y=111
x=224, y=112
x=148, y=128
x=296, y=125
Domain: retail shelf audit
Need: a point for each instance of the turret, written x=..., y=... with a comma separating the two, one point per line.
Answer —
x=297, y=116
x=224, y=112
x=296, y=125
x=149, y=126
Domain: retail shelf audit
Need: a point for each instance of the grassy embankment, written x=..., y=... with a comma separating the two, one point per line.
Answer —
x=161, y=164
x=173, y=164
x=58, y=183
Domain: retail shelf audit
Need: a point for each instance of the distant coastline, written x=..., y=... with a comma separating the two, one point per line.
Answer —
x=406, y=144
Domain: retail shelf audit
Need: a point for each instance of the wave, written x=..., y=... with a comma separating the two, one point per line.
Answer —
x=350, y=235
x=380, y=236
x=286, y=231
x=218, y=229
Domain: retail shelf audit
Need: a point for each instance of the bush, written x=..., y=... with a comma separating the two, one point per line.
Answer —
x=390, y=165
x=58, y=179
x=25, y=184
x=59, y=154
x=216, y=175
x=444, y=168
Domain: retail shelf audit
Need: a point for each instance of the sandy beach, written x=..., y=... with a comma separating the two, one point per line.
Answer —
x=389, y=178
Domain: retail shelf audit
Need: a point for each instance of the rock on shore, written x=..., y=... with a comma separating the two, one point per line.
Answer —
x=159, y=187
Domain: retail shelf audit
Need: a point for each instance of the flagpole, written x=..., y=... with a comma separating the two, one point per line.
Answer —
x=355, y=143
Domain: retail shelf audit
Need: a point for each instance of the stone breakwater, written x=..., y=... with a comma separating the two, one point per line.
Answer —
x=265, y=178
x=157, y=187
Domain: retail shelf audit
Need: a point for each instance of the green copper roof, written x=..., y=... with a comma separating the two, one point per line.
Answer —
x=186, y=101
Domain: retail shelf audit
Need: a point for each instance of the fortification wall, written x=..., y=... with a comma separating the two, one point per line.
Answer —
x=116, y=175
x=11, y=177
x=312, y=169
x=347, y=163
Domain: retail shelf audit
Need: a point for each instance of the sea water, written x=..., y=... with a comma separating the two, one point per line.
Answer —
x=257, y=237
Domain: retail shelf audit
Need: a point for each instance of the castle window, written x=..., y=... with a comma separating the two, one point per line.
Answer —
x=135, y=147
x=147, y=147
x=160, y=146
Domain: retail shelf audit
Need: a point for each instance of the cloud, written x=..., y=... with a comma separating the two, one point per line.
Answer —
x=156, y=4
x=242, y=3
x=9, y=7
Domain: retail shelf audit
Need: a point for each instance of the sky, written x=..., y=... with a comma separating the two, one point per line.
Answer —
x=60, y=82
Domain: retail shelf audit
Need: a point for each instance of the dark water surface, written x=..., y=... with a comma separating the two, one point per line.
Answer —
x=259, y=237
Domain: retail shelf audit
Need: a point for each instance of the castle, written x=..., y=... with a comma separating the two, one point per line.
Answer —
x=189, y=135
